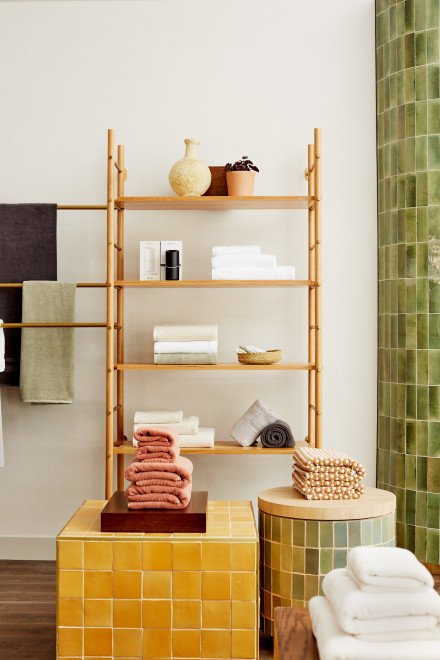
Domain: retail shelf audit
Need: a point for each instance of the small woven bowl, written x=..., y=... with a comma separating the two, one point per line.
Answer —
x=269, y=357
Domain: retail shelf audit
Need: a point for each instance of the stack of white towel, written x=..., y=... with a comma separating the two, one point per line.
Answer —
x=245, y=262
x=185, y=344
x=190, y=433
x=382, y=606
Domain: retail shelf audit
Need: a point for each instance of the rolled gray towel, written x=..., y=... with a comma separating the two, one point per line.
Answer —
x=247, y=429
x=277, y=435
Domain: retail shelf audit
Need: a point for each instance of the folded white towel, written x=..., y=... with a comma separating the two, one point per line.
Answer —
x=247, y=429
x=334, y=644
x=432, y=632
x=359, y=612
x=278, y=273
x=235, y=249
x=186, y=346
x=244, y=261
x=391, y=569
x=249, y=348
x=188, y=426
x=185, y=332
x=158, y=417
x=204, y=438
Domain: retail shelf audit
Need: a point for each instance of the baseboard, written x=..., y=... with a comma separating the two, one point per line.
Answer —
x=27, y=547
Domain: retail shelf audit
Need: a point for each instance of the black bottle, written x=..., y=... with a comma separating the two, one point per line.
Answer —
x=172, y=265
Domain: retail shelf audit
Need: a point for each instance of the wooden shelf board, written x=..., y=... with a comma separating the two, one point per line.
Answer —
x=277, y=366
x=213, y=203
x=220, y=447
x=182, y=284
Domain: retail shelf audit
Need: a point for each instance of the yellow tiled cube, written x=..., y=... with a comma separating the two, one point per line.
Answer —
x=156, y=556
x=97, y=641
x=156, y=614
x=187, y=614
x=186, y=585
x=216, y=585
x=156, y=644
x=127, y=584
x=186, y=643
x=127, y=643
x=127, y=613
x=98, y=555
x=127, y=555
x=216, y=614
x=70, y=554
x=216, y=556
x=97, y=613
x=157, y=584
x=187, y=556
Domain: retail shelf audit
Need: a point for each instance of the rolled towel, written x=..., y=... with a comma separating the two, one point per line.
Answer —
x=188, y=426
x=247, y=429
x=387, y=569
x=204, y=438
x=185, y=332
x=244, y=261
x=158, y=417
x=146, y=473
x=278, y=273
x=185, y=358
x=186, y=346
x=334, y=644
x=235, y=249
x=151, y=497
x=277, y=434
x=358, y=612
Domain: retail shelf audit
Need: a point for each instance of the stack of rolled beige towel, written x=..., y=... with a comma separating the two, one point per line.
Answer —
x=327, y=474
x=190, y=434
x=185, y=344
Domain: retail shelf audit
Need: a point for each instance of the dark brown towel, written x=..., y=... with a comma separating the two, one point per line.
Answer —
x=28, y=251
x=276, y=435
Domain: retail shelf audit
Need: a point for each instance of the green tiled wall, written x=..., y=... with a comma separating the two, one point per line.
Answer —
x=296, y=554
x=408, y=162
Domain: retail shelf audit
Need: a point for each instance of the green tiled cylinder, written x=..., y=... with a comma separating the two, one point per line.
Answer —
x=408, y=163
x=296, y=554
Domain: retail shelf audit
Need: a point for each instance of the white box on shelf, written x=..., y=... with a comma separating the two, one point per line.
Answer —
x=149, y=260
x=170, y=245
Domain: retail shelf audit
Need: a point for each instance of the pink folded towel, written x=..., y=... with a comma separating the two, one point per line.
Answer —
x=148, y=473
x=157, y=435
x=158, y=497
x=157, y=453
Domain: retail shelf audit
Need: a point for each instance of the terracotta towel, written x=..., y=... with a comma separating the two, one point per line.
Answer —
x=148, y=473
x=157, y=453
x=163, y=436
x=160, y=500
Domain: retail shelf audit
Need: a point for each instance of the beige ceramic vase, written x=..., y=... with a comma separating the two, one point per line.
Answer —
x=240, y=184
x=190, y=176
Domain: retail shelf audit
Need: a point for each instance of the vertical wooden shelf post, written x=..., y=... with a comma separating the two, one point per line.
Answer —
x=120, y=320
x=110, y=314
x=318, y=289
x=312, y=290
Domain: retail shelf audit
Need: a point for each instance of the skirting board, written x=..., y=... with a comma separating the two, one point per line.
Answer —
x=27, y=547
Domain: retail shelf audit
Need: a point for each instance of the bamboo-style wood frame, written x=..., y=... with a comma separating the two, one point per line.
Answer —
x=115, y=358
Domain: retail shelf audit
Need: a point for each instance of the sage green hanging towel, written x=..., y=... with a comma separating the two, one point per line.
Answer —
x=47, y=354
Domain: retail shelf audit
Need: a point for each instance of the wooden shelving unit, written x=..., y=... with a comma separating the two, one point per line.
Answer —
x=311, y=202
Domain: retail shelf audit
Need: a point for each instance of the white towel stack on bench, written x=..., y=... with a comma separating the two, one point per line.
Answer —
x=245, y=262
x=382, y=606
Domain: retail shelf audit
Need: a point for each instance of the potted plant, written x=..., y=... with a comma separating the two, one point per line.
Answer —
x=240, y=177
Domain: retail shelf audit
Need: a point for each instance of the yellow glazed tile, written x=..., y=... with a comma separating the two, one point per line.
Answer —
x=70, y=584
x=187, y=556
x=216, y=644
x=126, y=613
x=156, y=613
x=97, y=584
x=243, y=614
x=97, y=613
x=187, y=614
x=127, y=555
x=156, y=644
x=97, y=641
x=243, y=556
x=243, y=644
x=186, y=644
x=70, y=641
x=127, y=643
x=157, y=584
x=127, y=584
x=70, y=612
x=243, y=586
x=186, y=585
x=216, y=585
x=70, y=554
x=216, y=556
x=156, y=556
x=98, y=555
x=216, y=614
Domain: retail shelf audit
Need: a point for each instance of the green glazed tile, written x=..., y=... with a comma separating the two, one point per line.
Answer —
x=366, y=532
x=354, y=533
x=298, y=589
x=411, y=439
x=401, y=437
x=434, y=151
x=312, y=561
x=410, y=474
x=410, y=59
x=421, y=164
x=401, y=395
x=400, y=535
x=286, y=531
x=286, y=558
x=422, y=295
x=311, y=586
x=340, y=529
x=276, y=529
x=267, y=553
x=383, y=28
x=401, y=152
x=267, y=527
x=420, y=48
x=434, y=187
x=411, y=401
x=326, y=561
x=400, y=504
x=434, y=402
x=434, y=439
x=411, y=191
x=411, y=365
x=422, y=225
x=421, y=123
x=434, y=367
x=432, y=14
x=433, y=115
x=421, y=86
x=410, y=507
x=409, y=16
x=276, y=582
x=422, y=331
x=401, y=260
x=420, y=15
x=298, y=559
x=400, y=18
x=421, y=544
x=410, y=538
x=422, y=186
x=410, y=92
x=432, y=46
x=434, y=222
x=422, y=402
x=285, y=585
x=312, y=534
x=433, y=81
x=422, y=483
x=340, y=558
x=421, y=509
x=434, y=475
x=267, y=578
x=377, y=531
x=275, y=560
x=298, y=532
x=410, y=157
x=432, y=543
x=410, y=122
x=411, y=338
x=398, y=330
x=393, y=23
x=433, y=516
x=434, y=331
x=422, y=438
x=326, y=534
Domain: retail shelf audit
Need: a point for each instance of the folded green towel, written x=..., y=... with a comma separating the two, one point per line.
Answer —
x=185, y=358
x=47, y=354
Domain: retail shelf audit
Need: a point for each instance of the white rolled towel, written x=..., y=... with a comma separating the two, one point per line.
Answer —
x=335, y=644
x=218, y=250
x=186, y=346
x=185, y=332
x=244, y=261
x=158, y=417
x=204, y=438
x=278, y=273
x=359, y=612
x=247, y=429
x=387, y=569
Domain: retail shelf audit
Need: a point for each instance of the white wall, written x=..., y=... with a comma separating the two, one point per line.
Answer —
x=249, y=77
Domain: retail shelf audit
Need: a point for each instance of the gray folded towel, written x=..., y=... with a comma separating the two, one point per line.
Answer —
x=47, y=354
x=247, y=429
x=276, y=435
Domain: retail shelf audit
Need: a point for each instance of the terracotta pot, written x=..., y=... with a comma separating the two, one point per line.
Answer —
x=240, y=184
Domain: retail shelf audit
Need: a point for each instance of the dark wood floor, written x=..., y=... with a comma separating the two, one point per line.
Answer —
x=27, y=611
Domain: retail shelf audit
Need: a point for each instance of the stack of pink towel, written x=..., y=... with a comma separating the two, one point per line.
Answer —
x=160, y=477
